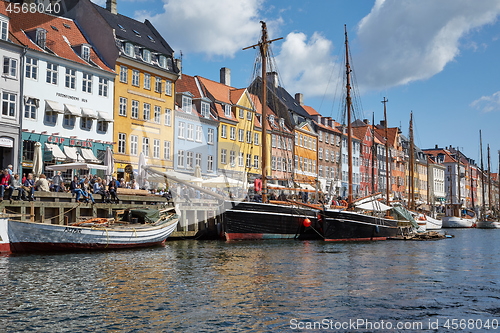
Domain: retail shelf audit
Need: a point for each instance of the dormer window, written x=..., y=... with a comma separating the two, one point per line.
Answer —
x=129, y=49
x=271, y=119
x=187, y=104
x=227, y=110
x=146, y=56
x=121, y=27
x=86, y=53
x=282, y=122
x=162, y=61
x=41, y=37
x=4, y=28
x=205, y=109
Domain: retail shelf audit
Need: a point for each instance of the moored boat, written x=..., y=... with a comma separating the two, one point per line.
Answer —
x=34, y=237
x=488, y=224
x=454, y=217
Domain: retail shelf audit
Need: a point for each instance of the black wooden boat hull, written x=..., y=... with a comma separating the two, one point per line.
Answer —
x=250, y=220
x=349, y=226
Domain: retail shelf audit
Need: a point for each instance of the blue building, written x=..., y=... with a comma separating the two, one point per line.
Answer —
x=195, y=136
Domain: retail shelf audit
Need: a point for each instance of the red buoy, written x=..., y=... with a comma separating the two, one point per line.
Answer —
x=306, y=222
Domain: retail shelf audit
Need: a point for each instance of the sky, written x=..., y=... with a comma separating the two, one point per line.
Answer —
x=437, y=58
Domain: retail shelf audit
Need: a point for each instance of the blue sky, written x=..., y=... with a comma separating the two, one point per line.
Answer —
x=437, y=58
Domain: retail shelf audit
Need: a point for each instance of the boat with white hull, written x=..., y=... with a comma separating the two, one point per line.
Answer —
x=456, y=217
x=37, y=237
x=488, y=224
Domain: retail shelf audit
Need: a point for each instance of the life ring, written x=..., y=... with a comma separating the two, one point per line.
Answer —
x=421, y=218
x=343, y=203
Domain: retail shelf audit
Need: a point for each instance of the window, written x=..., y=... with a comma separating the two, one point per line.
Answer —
x=146, y=56
x=180, y=158
x=168, y=117
x=210, y=163
x=332, y=159
x=10, y=67
x=256, y=161
x=314, y=144
x=70, y=78
x=296, y=162
x=241, y=157
x=197, y=159
x=145, y=146
x=158, y=84
x=146, y=111
x=199, y=133
x=69, y=120
x=135, y=77
x=278, y=143
x=122, y=109
x=51, y=73
x=249, y=115
x=31, y=68
x=157, y=114
x=205, y=109
x=123, y=74
x=85, y=53
x=187, y=104
x=301, y=165
x=122, y=141
x=166, y=150
x=168, y=87
x=249, y=137
x=290, y=144
x=273, y=140
x=8, y=104
x=181, y=130
x=296, y=139
x=249, y=160
x=241, y=113
x=223, y=131
x=327, y=171
x=4, y=29
x=129, y=49
x=210, y=136
x=273, y=162
x=87, y=83
x=223, y=153
x=241, y=135
x=162, y=61
x=102, y=126
x=134, y=112
x=147, y=81
x=256, y=139
x=314, y=166
x=310, y=143
x=326, y=138
x=301, y=139
x=232, y=133
x=227, y=110
x=278, y=164
x=284, y=164
x=86, y=123
x=320, y=153
x=190, y=132
x=232, y=158
x=156, y=148
x=327, y=154
x=30, y=109
x=134, y=142
x=310, y=166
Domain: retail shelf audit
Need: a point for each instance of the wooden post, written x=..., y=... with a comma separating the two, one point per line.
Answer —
x=32, y=212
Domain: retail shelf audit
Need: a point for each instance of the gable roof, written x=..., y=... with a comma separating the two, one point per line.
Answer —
x=60, y=41
x=188, y=83
x=448, y=158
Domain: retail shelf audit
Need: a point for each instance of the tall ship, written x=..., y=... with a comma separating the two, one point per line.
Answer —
x=350, y=224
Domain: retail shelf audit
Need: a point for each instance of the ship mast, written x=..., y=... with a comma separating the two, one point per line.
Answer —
x=489, y=179
x=411, y=192
x=482, y=173
x=459, y=176
x=373, y=153
x=386, y=151
x=263, y=48
x=349, y=129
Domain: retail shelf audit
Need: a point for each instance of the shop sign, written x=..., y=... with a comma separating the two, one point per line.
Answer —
x=7, y=142
x=72, y=142
x=27, y=164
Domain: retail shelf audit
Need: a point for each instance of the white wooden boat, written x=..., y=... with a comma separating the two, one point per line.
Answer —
x=488, y=224
x=4, y=236
x=36, y=237
x=430, y=223
x=455, y=217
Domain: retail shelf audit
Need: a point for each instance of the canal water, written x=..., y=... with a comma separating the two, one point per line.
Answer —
x=259, y=286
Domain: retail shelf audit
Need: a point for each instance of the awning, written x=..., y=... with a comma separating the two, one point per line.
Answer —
x=89, y=113
x=71, y=109
x=89, y=156
x=104, y=116
x=72, y=154
x=55, y=151
x=75, y=166
x=53, y=106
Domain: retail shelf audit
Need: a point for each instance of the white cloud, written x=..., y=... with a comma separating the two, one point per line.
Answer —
x=213, y=27
x=306, y=66
x=487, y=103
x=402, y=41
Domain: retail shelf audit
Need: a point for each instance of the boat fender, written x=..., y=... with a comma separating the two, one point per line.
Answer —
x=306, y=222
x=319, y=218
x=376, y=229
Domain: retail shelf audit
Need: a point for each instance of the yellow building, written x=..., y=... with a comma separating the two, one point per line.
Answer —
x=239, y=134
x=306, y=156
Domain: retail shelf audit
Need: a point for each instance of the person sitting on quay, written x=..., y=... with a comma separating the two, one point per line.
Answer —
x=29, y=185
x=134, y=185
x=5, y=184
x=16, y=185
x=74, y=188
x=85, y=185
x=57, y=180
x=112, y=190
x=100, y=189
x=42, y=184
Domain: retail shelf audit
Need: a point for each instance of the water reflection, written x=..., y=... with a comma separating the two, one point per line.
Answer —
x=251, y=286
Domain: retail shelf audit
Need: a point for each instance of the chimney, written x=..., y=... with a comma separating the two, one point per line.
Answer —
x=225, y=76
x=436, y=147
x=273, y=77
x=382, y=123
x=366, y=121
x=178, y=63
x=111, y=6
x=299, y=98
